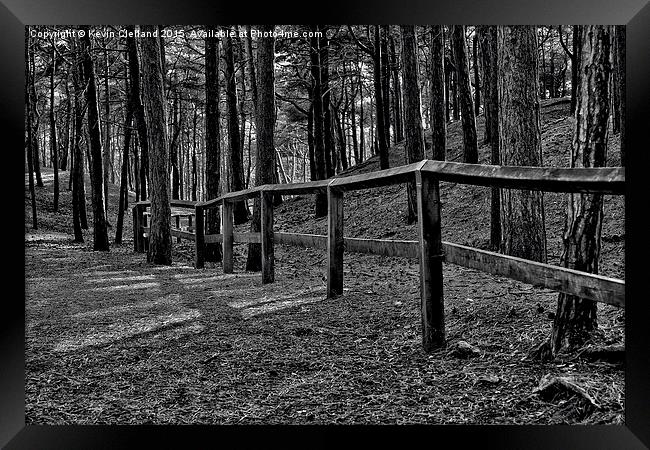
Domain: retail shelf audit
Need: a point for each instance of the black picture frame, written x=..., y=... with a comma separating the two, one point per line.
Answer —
x=15, y=14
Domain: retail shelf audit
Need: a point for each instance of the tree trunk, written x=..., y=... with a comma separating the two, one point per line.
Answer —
x=551, y=81
x=174, y=144
x=414, y=145
x=488, y=38
x=34, y=119
x=134, y=77
x=438, y=115
x=353, y=125
x=385, y=79
x=575, y=319
x=265, y=125
x=100, y=231
x=78, y=191
x=251, y=65
x=620, y=31
x=470, y=153
x=234, y=138
x=212, y=142
x=362, y=134
x=194, y=126
x=328, y=123
x=28, y=125
x=106, y=155
x=522, y=212
x=477, y=81
x=338, y=116
x=160, y=238
x=381, y=129
x=313, y=175
x=397, y=96
x=319, y=142
x=575, y=65
x=124, y=193
x=454, y=79
x=53, y=145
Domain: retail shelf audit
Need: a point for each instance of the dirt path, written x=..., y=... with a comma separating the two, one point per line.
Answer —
x=112, y=339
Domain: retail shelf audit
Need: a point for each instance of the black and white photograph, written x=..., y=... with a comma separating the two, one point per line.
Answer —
x=340, y=224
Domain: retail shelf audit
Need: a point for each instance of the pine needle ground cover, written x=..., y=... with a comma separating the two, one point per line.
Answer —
x=111, y=339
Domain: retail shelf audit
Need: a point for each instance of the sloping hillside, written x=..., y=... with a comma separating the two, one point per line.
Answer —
x=112, y=339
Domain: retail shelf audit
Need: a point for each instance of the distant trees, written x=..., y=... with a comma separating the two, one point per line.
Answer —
x=522, y=211
x=100, y=230
x=619, y=82
x=343, y=95
x=576, y=318
x=29, y=144
x=79, y=219
x=488, y=49
x=470, y=152
x=160, y=239
x=53, y=142
x=212, y=140
x=318, y=119
x=414, y=145
x=234, y=138
x=265, y=125
x=438, y=100
x=375, y=52
x=141, y=175
x=124, y=175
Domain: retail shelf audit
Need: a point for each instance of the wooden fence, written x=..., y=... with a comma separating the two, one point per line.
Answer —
x=429, y=248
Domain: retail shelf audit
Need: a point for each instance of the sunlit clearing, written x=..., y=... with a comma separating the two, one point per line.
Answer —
x=170, y=300
x=121, y=279
x=179, y=332
x=60, y=259
x=174, y=267
x=246, y=303
x=120, y=330
x=278, y=305
x=108, y=273
x=202, y=275
x=49, y=236
x=127, y=287
x=211, y=279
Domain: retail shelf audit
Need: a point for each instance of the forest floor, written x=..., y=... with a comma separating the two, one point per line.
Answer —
x=111, y=339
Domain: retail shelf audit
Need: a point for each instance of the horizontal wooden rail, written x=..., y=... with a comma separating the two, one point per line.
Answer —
x=232, y=197
x=561, y=279
x=429, y=248
x=376, y=179
x=586, y=285
x=604, y=180
x=406, y=249
x=240, y=238
x=178, y=203
x=594, y=287
x=174, y=232
x=310, y=187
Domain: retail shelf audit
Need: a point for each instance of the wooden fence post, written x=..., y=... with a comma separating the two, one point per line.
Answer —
x=138, y=223
x=189, y=223
x=145, y=240
x=178, y=227
x=431, y=294
x=226, y=229
x=136, y=229
x=266, y=232
x=334, y=242
x=199, y=241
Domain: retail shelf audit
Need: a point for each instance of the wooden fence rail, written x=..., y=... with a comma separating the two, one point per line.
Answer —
x=429, y=248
